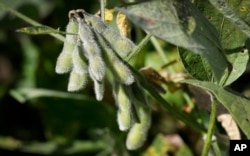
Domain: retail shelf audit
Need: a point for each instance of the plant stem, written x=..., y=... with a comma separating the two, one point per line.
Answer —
x=159, y=49
x=216, y=149
x=212, y=119
x=138, y=48
x=103, y=5
x=27, y=19
x=161, y=52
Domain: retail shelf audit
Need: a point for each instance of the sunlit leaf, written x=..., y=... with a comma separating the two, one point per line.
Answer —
x=180, y=23
x=239, y=63
x=229, y=13
x=238, y=106
x=233, y=40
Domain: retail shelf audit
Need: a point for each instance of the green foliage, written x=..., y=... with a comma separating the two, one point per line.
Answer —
x=180, y=23
x=237, y=105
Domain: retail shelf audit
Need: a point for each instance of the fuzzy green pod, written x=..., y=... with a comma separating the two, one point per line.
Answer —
x=92, y=51
x=116, y=64
x=79, y=61
x=138, y=133
x=64, y=61
x=77, y=81
x=98, y=87
x=122, y=45
x=124, y=113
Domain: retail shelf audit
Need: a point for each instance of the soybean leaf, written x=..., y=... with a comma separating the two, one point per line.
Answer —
x=233, y=40
x=196, y=65
x=181, y=23
x=237, y=105
x=239, y=63
x=229, y=13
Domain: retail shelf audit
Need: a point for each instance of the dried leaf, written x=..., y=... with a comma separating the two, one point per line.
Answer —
x=230, y=126
x=108, y=15
x=154, y=78
x=123, y=24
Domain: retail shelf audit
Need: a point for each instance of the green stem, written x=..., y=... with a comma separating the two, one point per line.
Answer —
x=27, y=19
x=216, y=149
x=103, y=4
x=210, y=128
x=159, y=49
x=138, y=48
x=160, y=52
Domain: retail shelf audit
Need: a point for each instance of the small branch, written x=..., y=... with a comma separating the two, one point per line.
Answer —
x=160, y=52
x=103, y=5
x=212, y=119
x=138, y=48
x=28, y=20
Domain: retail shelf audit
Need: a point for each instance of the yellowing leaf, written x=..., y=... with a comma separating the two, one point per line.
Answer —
x=108, y=15
x=123, y=24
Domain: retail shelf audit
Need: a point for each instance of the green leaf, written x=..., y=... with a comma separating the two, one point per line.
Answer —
x=239, y=63
x=232, y=39
x=180, y=23
x=196, y=65
x=238, y=106
x=229, y=13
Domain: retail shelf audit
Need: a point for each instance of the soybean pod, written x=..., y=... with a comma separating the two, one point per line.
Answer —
x=122, y=45
x=116, y=64
x=92, y=51
x=64, y=60
x=124, y=103
x=139, y=131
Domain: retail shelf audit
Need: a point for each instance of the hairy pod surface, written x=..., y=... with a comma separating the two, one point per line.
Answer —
x=138, y=133
x=77, y=81
x=92, y=51
x=79, y=62
x=116, y=64
x=97, y=68
x=124, y=113
x=64, y=61
x=98, y=87
x=122, y=45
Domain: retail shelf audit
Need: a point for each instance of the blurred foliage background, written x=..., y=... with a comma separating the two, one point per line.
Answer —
x=75, y=123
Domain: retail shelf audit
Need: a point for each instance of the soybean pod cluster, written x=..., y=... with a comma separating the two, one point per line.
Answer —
x=90, y=48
